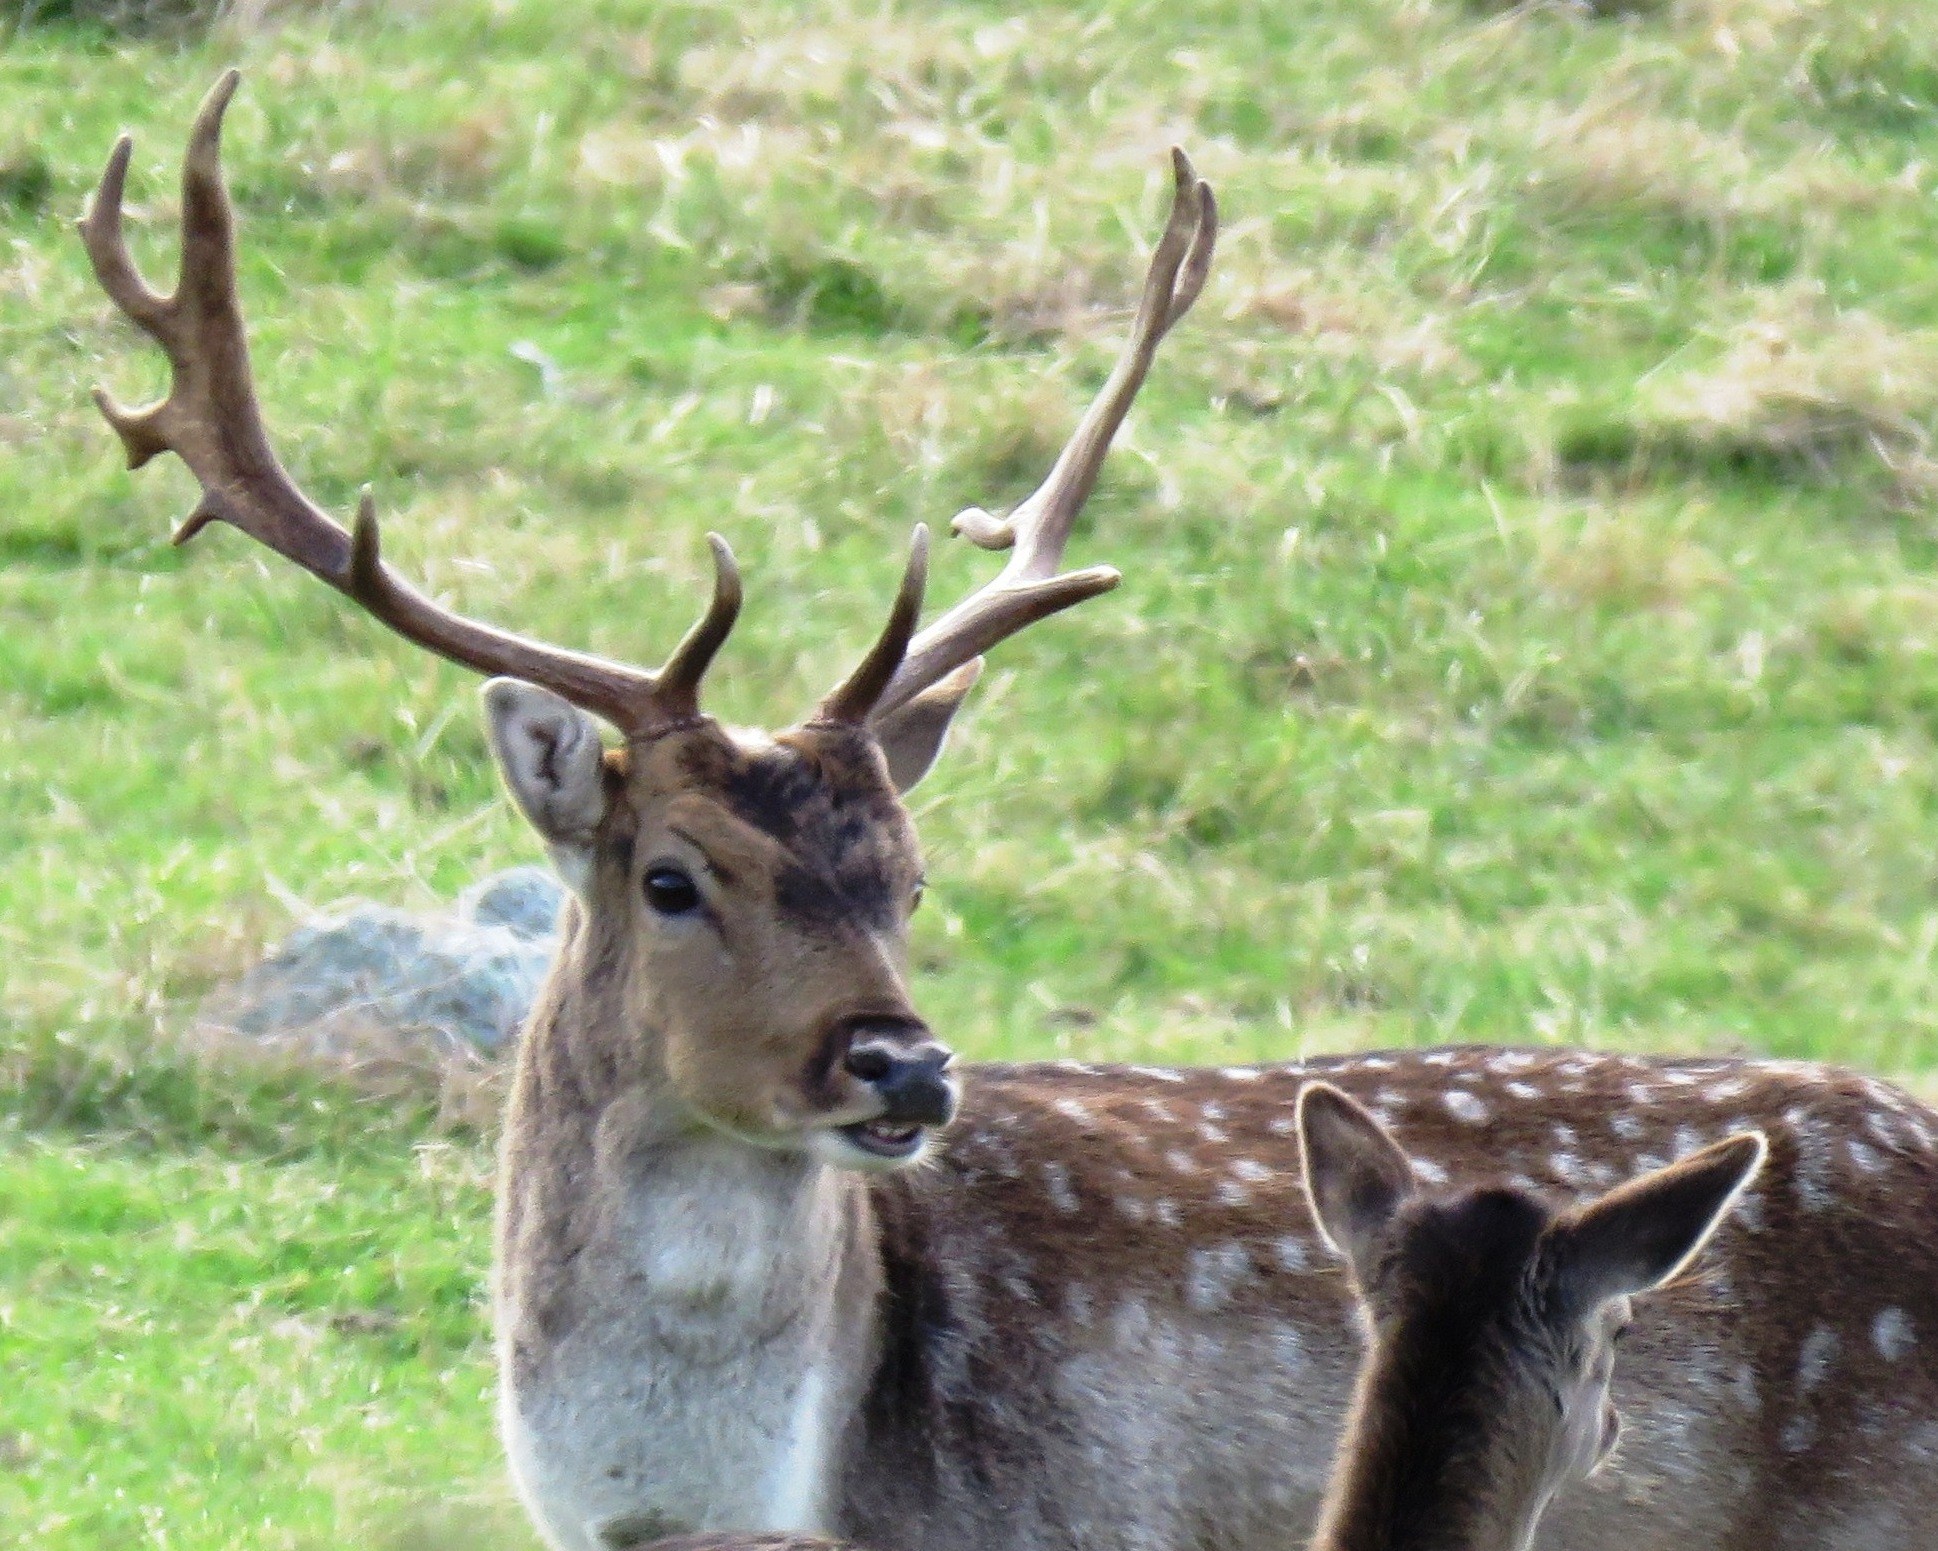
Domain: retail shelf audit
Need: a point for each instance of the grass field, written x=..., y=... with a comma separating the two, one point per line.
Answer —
x=1530, y=628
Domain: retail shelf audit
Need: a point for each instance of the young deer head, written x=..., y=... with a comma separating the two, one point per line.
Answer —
x=1493, y=1322
x=745, y=896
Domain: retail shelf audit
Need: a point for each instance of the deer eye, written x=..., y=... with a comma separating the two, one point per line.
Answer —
x=671, y=892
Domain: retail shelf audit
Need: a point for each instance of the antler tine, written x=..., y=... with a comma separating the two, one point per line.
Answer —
x=859, y=695
x=1029, y=587
x=678, y=687
x=210, y=418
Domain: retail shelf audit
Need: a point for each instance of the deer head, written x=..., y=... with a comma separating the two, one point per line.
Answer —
x=1492, y=1322
x=744, y=897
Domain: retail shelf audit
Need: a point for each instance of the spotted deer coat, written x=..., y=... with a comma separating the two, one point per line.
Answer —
x=1100, y=1314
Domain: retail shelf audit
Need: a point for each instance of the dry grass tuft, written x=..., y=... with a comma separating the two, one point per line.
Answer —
x=1803, y=381
x=1616, y=154
x=1607, y=556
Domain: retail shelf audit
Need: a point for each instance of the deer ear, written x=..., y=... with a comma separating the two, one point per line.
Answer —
x=552, y=759
x=1356, y=1177
x=912, y=735
x=1646, y=1232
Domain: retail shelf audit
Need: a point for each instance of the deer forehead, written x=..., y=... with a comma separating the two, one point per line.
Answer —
x=813, y=811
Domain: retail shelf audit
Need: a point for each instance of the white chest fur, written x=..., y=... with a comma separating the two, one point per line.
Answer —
x=700, y=1386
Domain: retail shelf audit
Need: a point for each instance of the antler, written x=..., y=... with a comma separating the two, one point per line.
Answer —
x=1030, y=587
x=211, y=420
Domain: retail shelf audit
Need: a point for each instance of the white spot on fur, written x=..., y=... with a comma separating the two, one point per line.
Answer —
x=1511, y=1061
x=1212, y=1111
x=1133, y=1208
x=1288, y=1350
x=1798, y=1434
x=1464, y=1106
x=1865, y=1158
x=1745, y=1390
x=1070, y=1109
x=1374, y=1064
x=1524, y=1090
x=1747, y=1214
x=1077, y=1305
x=1815, y=1357
x=1213, y=1274
x=1166, y=1212
x=1439, y=1058
x=1157, y=1109
x=1813, y=1160
x=1056, y=1180
x=1729, y=1088
x=1213, y=1135
x=1291, y=1253
x=1625, y=1125
x=1181, y=1160
x=1641, y=1093
x=1240, y=1073
x=1231, y=1193
x=1250, y=1169
x=1883, y=1093
x=1564, y=1136
x=1566, y=1167
x=1158, y=1073
x=1688, y=1139
x=1282, y=1125
x=1891, y=1334
x=1429, y=1171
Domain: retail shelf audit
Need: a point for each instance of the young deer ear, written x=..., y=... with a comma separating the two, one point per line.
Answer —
x=912, y=735
x=1646, y=1232
x=551, y=756
x=1355, y=1174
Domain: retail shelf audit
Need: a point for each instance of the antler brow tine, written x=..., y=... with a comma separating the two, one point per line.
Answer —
x=1030, y=587
x=210, y=418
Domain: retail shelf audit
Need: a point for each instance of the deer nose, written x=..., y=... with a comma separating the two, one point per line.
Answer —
x=908, y=1071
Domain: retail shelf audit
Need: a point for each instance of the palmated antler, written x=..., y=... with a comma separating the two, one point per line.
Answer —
x=1030, y=587
x=211, y=420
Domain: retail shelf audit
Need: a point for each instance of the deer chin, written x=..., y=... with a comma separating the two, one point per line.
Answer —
x=877, y=1146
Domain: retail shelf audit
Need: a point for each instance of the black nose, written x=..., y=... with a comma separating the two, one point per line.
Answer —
x=908, y=1071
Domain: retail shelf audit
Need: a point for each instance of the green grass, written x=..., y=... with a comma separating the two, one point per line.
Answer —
x=1529, y=627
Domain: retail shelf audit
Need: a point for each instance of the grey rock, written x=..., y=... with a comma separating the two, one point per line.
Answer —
x=369, y=970
x=525, y=900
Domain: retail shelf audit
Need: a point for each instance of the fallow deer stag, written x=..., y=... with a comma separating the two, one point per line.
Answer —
x=1098, y=1314
x=1492, y=1323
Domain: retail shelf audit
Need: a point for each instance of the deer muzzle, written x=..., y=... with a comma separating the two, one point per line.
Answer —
x=908, y=1071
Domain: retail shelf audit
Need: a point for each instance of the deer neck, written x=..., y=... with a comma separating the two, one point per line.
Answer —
x=1405, y=1480
x=608, y=1178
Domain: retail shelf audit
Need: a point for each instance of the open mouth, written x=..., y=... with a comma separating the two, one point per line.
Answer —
x=885, y=1138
